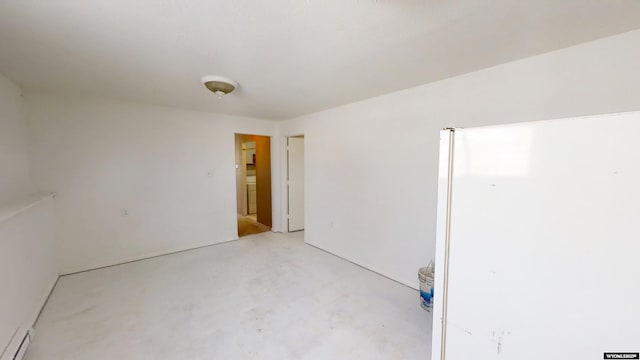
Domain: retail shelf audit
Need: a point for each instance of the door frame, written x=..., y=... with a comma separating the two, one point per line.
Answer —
x=273, y=150
x=284, y=189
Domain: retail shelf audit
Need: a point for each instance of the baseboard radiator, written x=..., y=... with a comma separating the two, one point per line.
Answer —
x=18, y=345
x=28, y=269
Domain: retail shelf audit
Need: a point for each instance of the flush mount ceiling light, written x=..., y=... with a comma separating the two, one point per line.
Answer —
x=219, y=85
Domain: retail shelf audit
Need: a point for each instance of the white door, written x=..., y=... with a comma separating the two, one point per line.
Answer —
x=295, y=182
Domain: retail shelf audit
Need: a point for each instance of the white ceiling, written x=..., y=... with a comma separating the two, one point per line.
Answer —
x=290, y=57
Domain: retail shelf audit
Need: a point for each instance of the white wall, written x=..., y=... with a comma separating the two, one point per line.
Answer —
x=28, y=262
x=372, y=166
x=28, y=266
x=14, y=160
x=172, y=170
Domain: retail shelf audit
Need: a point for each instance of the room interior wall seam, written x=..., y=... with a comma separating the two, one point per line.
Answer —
x=106, y=264
x=395, y=279
x=17, y=181
x=71, y=137
x=284, y=122
x=29, y=92
x=396, y=136
x=148, y=257
x=29, y=243
x=31, y=322
x=46, y=300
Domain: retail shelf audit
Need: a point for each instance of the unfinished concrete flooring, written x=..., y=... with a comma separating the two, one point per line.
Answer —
x=266, y=296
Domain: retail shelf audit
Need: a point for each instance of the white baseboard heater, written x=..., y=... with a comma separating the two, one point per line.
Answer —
x=18, y=345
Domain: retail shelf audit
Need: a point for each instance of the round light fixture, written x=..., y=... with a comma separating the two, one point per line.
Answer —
x=219, y=85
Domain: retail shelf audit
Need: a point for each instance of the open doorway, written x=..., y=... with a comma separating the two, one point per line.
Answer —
x=295, y=183
x=253, y=183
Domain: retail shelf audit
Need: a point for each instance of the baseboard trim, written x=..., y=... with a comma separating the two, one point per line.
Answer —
x=146, y=257
x=46, y=300
x=364, y=267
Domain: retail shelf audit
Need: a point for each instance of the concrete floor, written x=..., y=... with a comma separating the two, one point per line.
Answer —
x=267, y=296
